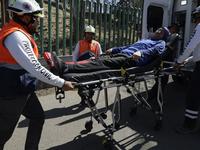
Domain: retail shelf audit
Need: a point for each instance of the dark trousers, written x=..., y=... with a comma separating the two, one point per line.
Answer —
x=11, y=107
x=193, y=98
x=114, y=61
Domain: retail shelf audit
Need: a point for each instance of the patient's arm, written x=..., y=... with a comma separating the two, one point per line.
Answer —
x=136, y=56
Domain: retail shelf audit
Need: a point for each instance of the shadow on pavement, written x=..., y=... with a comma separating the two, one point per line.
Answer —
x=140, y=134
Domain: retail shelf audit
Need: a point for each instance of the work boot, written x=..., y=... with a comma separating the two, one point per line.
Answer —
x=184, y=130
x=59, y=65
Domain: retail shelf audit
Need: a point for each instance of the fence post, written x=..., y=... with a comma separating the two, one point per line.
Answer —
x=64, y=27
x=3, y=13
x=110, y=25
x=135, y=12
x=49, y=27
x=131, y=24
x=95, y=16
x=119, y=21
x=100, y=16
x=123, y=21
x=77, y=22
x=83, y=23
x=57, y=27
x=105, y=26
x=127, y=22
x=138, y=23
x=71, y=26
x=89, y=12
x=115, y=13
x=41, y=32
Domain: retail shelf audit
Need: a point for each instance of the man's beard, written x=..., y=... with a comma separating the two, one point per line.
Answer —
x=33, y=31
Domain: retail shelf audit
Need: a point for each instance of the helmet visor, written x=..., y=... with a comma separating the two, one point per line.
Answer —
x=39, y=13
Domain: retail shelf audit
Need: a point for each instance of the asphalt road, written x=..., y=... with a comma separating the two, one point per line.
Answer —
x=64, y=128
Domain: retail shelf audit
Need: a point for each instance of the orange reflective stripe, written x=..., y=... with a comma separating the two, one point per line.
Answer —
x=5, y=55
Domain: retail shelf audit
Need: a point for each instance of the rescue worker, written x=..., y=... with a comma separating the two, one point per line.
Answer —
x=193, y=94
x=20, y=71
x=152, y=94
x=87, y=48
x=173, y=28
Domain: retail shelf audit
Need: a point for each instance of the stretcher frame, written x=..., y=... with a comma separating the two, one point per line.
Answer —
x=118, y=82
x=125, y=80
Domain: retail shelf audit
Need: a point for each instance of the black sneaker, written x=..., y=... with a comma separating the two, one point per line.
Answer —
x=59, y=65
x=184, y=130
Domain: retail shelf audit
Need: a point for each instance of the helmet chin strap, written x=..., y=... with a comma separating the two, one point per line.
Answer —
x=32, y=21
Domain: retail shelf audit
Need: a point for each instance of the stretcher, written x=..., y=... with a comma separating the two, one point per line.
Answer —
x=88, y=83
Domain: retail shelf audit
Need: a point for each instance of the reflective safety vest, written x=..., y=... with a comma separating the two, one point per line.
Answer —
x=5, y=55
x=15, y=82
x=84, y=45
x=87, y=49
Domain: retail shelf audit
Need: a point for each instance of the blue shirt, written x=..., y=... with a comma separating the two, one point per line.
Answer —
x=145, y=46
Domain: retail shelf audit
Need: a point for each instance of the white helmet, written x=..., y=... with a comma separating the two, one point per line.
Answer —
x=21, y=7
x=89, y=29
x=196, y=11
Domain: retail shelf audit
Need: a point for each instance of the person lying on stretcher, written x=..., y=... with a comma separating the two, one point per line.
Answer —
x=140, y=51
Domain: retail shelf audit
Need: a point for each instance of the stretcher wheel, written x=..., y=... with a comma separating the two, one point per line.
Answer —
x=103, y=115
x=157, y=125
x=107, y=144
x=88, y=125
x=177, y=79
x=133, y=111
x=128, y=91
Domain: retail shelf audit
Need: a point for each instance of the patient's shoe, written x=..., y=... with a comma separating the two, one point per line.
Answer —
x=59, y=65
x=184, y=130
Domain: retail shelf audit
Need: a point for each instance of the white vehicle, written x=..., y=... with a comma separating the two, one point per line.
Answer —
x=157, y=13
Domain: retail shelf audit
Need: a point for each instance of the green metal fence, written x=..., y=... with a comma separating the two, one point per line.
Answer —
x=115, y=25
